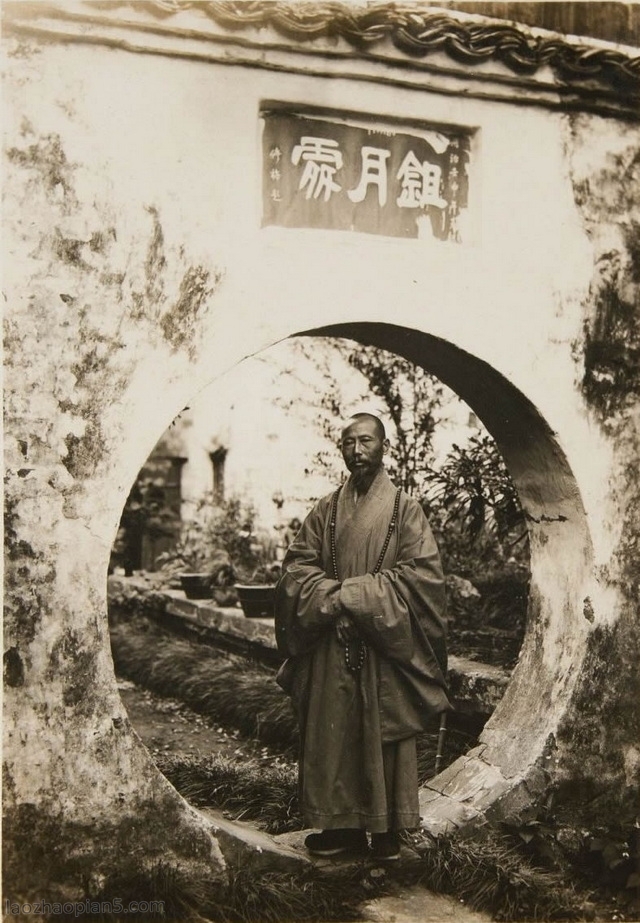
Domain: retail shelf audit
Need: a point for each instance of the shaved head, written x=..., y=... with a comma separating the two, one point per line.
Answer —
x=363, y=445
x=381, y=432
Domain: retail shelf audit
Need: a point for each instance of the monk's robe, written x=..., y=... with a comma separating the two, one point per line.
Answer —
x=358, y=765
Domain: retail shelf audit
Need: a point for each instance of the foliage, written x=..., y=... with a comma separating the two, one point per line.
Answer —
x=474, y=508
x=473, y=489
x=487, y=625
x=305, y=894
x=602, y=858
x=487, y=875
x=313, y=387
x=220, y=539
x=249, y=790
x=410, y=397
x=490, y=873
x=253, y=894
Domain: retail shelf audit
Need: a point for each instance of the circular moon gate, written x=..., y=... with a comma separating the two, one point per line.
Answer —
x=93, y=372
x=506, y=772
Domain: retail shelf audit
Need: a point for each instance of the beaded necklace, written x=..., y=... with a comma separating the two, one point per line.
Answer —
x=354, y=667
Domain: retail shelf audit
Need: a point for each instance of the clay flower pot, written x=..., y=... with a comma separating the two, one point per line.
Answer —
x=196, y=586
x=256, y=599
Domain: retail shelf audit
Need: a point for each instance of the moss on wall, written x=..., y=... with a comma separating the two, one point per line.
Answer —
x=84, y=807
x=611, y=349
x=607, y=193
x=55, y=859
x=600, y=779
x=76, y=345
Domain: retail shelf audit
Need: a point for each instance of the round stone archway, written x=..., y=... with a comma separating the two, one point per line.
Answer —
x=512, y=766
x=117, y=313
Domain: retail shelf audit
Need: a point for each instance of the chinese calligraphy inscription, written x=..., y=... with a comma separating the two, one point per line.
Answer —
x=327, y=173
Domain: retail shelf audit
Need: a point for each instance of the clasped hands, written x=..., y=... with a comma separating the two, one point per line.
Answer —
x=345, y=629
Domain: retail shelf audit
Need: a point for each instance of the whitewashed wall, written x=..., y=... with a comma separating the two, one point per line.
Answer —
x=137, y=272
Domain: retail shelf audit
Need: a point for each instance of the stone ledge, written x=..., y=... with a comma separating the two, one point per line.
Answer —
x=476, y=688
x=243, y=844
x=227, y=621
x=472, y=791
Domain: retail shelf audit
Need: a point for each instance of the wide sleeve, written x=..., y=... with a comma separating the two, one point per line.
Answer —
x=307, y=599
x=403, y=604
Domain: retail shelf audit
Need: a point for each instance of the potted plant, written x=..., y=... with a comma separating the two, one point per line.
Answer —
x=197, y=571
x=198, y=562
x=256, y=594
x=252, y=555
x=220, y=555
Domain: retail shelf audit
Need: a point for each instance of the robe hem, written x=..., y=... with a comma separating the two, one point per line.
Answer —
x=378, y=823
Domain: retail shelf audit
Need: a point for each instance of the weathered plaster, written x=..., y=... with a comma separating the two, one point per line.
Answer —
x=604, y=724
x=78, y=783
x=137, y=272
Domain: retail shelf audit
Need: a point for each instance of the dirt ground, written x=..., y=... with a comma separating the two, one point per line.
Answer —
x=167, y=726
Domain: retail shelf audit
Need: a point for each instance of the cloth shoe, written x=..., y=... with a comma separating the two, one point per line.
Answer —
x=385, y=846
x=335, y=842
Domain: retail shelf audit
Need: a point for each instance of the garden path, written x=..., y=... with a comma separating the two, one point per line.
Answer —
x=166, y=726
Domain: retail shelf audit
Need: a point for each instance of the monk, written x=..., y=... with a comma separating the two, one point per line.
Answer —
x=360, y=615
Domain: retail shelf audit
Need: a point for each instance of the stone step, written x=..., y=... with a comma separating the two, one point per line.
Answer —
x=417, y=905
x=242, y=844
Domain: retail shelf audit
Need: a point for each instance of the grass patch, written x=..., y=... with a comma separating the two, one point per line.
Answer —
x=248, y=790
x=308, y=895
x=234, y=692
x=227, y=689
x=489, y=873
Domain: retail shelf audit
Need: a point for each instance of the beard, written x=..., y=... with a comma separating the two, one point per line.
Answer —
x=363, y=475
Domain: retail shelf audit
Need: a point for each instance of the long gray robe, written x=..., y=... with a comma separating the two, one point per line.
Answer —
x=358, y=763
